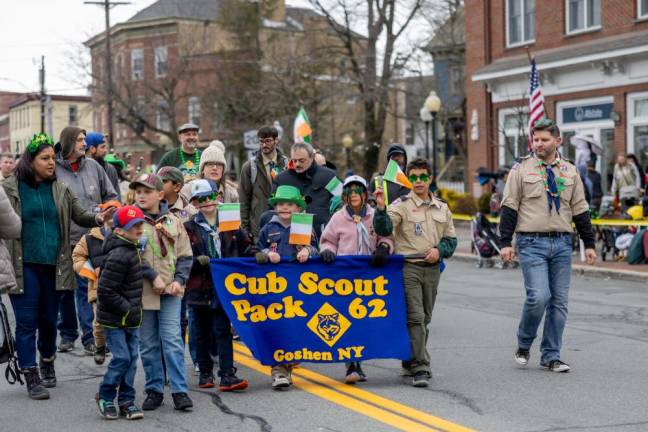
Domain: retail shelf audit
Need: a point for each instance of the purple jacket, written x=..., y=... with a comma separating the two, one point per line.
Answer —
x=341, y=234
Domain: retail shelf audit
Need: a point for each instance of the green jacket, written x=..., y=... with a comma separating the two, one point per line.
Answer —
x=68, y=209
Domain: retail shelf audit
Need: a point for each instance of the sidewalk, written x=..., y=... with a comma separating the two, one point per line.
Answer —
x=601, y=269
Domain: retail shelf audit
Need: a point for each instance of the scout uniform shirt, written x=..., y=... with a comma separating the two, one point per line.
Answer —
x=419, y=225
x=526, y=193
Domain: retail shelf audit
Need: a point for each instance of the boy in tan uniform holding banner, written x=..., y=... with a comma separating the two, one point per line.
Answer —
x=424, y=233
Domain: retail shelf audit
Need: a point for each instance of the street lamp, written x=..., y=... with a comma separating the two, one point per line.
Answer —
x=431, y=107
x=347, y=143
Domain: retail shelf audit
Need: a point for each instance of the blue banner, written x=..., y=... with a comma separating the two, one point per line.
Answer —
x=315, y=312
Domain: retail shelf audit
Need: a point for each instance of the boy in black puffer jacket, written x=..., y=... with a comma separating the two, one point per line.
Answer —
x=119, y=311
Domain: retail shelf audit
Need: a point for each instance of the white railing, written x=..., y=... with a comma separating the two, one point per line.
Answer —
x=453, y=186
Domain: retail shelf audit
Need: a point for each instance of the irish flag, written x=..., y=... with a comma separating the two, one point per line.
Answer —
x=229, y=217
x=301, y=229
x=335, y=186
x=88, y=272
x=394, y=174
x=302, y=129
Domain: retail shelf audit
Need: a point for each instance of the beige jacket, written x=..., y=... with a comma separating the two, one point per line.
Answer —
x=81, y=254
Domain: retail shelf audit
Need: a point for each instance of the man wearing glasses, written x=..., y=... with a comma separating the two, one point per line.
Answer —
x=257, y=175
x=424, y=233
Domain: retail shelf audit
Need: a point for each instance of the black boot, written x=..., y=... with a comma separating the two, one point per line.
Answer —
x=35, y=387
x=47, y=371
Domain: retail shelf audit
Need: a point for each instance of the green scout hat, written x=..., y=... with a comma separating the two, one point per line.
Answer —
x=288, y=194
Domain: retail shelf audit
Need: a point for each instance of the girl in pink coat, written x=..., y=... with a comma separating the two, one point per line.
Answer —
x=350, y=232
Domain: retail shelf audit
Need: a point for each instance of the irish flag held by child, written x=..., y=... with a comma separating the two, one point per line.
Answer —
x=301, y=229
x=394, y=174
x=229, y=217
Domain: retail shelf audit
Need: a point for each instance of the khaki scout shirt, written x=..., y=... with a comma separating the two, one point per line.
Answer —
x=183, y=209
x=164, y=266
x=418, y=225
x=525, y=193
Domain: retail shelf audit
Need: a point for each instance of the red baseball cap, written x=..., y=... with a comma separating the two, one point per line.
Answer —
x=127, y=216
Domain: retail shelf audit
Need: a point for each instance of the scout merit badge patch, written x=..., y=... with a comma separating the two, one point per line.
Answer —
x=229, y=217
x=394, y=174
x=301, y=229
x=335, y=186
x=418, y=229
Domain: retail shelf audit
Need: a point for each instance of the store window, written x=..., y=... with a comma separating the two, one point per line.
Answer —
x=638, y=126
x=513, y=137
x=520, y=21
x=583, y=15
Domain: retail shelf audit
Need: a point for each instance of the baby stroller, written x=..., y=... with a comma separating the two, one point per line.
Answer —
x=485, y=241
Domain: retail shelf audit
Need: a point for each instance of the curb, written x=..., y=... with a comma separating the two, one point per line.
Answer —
x=581, y=270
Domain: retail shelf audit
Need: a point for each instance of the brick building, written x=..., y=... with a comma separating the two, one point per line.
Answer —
x=592, y=56
x=171, y=63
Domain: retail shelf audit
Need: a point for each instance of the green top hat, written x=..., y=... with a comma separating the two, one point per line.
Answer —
x=113, y=160
x=288, y=194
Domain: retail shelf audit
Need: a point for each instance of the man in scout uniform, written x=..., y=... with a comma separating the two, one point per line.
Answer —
x=543, y=196
x=187, y=157
x=423, y=232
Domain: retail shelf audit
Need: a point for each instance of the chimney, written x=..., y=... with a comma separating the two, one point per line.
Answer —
x=274, y=10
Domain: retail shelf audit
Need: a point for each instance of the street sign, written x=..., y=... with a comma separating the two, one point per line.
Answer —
x=250, y=140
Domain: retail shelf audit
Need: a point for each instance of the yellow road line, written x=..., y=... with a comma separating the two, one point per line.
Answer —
x=383, y=416
x=379, y=401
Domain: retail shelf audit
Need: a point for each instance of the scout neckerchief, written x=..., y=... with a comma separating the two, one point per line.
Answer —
x=364, y=242
x=163, y=234
x=190, y=167
x=553, y=186
x=213, y=242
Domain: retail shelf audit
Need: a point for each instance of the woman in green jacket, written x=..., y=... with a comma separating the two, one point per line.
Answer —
x=41, y=258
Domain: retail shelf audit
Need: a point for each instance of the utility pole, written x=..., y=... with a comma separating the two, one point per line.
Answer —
x=107, y=4
x=43, y=96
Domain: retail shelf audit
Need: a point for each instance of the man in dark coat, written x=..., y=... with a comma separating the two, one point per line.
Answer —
x=312, y=180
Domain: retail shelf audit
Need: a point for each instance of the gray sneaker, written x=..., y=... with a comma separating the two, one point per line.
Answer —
x=421, y=379
x=556, y=366
x=89, y=349
x=522, y=356
x=66, y=346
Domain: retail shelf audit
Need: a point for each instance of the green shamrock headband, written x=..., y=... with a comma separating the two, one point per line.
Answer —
x=38, y=140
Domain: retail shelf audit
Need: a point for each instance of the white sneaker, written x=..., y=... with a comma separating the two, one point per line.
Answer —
x=522, y=356
x=280, y=381
x=556, y=366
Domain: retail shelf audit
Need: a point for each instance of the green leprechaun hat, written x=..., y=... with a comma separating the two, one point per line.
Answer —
x=113, y=160
x=288, y=194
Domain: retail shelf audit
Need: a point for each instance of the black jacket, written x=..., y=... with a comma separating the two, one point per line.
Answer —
x=119, y=293
x=312, y=184
x=200, y=289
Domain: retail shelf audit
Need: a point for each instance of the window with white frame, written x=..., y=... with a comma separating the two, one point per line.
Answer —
x=137, y=64
x=513, y=137
x=194, y=110
x=456, y=80
x=218, y=118
x=583, y=15
x=642, y=8
x=73, y=115
x=162, y=116
x=638, y=126
x=520, y=17
x=161, y=65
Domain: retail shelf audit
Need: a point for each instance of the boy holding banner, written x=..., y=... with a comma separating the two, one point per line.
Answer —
x=424, y=233
x=350, y=232
x=215, y=232
x=289, y=234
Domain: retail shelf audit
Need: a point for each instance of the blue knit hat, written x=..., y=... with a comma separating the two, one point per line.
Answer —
x=93, y=139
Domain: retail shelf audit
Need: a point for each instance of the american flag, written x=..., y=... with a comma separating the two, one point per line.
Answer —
x=536, y=100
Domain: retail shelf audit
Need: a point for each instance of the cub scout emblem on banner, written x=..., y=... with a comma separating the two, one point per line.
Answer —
x=315, y=312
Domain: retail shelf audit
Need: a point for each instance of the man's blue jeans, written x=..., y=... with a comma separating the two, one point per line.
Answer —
x=36, y=310
x=546, y=267
x=67, y=325
x=160, y=335
x=120, y=374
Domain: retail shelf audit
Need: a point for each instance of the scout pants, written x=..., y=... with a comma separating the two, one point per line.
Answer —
x=421, y=282
x=546, y=267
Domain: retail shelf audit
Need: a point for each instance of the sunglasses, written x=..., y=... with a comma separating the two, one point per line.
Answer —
x=353, y=190
x=204, y=199
x=413, y=178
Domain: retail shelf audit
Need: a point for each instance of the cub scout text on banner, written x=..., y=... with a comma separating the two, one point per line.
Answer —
x=229, y=217
x=301, y=229
x=315, y=312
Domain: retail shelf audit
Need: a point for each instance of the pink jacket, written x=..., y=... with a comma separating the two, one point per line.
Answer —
x=341, y=236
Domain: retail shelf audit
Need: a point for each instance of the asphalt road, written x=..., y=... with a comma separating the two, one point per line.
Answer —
x=476, y=384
